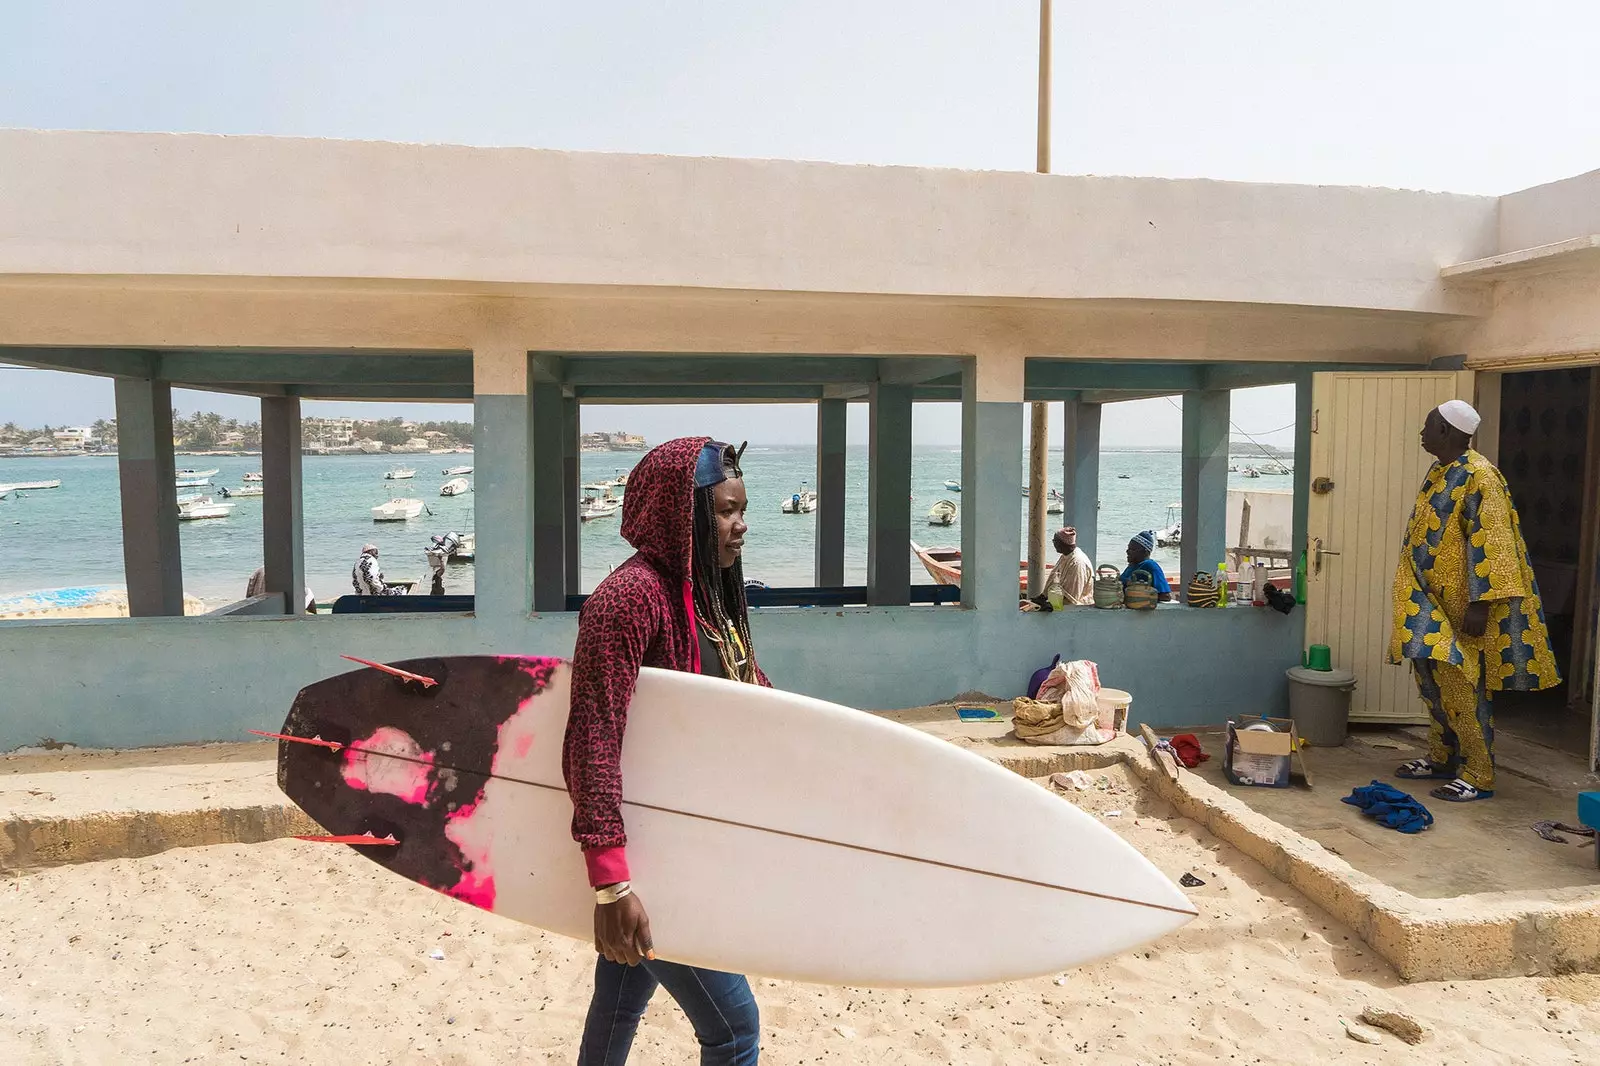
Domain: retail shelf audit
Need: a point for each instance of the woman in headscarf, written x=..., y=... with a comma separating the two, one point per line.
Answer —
x=1139, y=549
x=678, y=604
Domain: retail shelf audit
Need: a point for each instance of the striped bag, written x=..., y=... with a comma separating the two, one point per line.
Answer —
x=1141, y=594
x=1203, y=591
x=1108, y=588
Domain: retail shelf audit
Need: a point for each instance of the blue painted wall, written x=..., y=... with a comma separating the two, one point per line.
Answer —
x=129, y=683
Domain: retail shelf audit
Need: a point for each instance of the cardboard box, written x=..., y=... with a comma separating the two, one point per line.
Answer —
x=1261, y=758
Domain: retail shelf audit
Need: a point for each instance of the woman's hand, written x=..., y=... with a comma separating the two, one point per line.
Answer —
x=1476, y=620
x=622, y=931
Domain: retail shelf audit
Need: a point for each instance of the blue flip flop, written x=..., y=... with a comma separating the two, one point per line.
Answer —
x=1423, y=770
x=1458, y=791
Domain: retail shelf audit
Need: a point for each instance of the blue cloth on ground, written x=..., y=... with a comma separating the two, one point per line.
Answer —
x=1390, y=807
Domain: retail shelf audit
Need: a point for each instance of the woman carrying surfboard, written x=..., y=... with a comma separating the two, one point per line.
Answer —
x=678, y=603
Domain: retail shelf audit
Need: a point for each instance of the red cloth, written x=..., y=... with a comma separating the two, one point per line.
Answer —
x=1187, y=745
x=642, y=614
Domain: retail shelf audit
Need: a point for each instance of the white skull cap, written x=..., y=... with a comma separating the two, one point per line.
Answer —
x=1462, y=415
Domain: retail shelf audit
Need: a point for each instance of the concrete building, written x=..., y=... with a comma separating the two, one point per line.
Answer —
x=533, y=281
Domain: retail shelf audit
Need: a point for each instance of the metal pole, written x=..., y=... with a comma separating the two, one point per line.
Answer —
x=1039, y=438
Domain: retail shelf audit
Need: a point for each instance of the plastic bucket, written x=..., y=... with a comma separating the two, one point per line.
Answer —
x=1319, y=704
x=1319, y=657
x=1113, y=715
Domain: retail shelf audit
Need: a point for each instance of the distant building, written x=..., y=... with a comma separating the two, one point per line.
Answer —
x=613, y=441
x=73, y=437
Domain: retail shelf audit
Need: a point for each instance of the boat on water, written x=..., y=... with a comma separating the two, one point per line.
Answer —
x=204, y=507
x=1251, y=471
x=1054, y=506
x=594, y=507
x=802, y=502
x=944, y=565
x=1172, y=534
x=942, y=513
x=456, y=471
x=467, y=551
x=242, y=492
x=398, y=509
x=190, y=497
x=455, y=487
x=400, y=473
x=953, y=485
x=256, y=476
x=196, y=473
x=29, y=486
x=193, y=482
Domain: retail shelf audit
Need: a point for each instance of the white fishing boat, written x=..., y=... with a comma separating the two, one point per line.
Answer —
x=942, y=513
x=30, y=486
x=196, y=473
x=256, y=476
x=594, y=507
x=1172, y=535
x=190, y=497
x=802, y=502
x=455, y=487
x=401, y=473
x=398, y=509
x=468, y=551
x=243, y=491
x=1251, y=471
x=1054, y=506
x=192, y=482
x=454, y=471
x=953, y=485
x=204, y=507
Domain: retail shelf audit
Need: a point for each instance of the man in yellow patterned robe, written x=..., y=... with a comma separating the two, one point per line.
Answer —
x=1467, y=614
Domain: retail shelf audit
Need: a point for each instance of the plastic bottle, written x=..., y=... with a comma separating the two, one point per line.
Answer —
x=1258, y=585
x=1300, y=580
x=1222, y=584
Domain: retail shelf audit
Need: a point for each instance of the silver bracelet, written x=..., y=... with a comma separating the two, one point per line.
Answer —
x=613, y=893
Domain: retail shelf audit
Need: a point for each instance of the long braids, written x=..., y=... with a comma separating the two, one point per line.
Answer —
x=719, y=600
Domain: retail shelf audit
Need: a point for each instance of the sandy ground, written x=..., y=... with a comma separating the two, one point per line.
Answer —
x=301, y=953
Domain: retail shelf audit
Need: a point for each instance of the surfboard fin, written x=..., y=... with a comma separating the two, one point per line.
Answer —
x=333, y=745
x=358, y=839
x=405, y=675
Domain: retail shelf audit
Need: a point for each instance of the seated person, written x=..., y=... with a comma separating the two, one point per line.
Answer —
x=1073, y=575
x=1139, y=549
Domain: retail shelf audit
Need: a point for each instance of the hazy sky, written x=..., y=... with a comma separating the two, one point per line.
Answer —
x=1466, y=95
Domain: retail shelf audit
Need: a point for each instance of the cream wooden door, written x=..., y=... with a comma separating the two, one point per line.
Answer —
x=1366, y=467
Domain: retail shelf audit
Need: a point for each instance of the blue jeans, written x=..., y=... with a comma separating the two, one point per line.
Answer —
x=720, y=1006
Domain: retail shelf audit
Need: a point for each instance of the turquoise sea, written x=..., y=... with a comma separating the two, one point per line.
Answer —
x=72, y=535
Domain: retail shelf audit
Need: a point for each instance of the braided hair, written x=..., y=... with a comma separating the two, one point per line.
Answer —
x=719, y=601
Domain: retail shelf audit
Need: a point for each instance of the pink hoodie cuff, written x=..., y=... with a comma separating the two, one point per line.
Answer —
x=606, y=866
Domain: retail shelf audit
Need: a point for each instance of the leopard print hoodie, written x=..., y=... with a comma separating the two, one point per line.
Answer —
x=642, y=614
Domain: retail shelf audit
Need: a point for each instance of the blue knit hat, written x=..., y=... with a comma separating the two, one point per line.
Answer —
x=1146, y=540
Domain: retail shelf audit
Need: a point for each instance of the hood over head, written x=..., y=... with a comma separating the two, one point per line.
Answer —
x=658, y=507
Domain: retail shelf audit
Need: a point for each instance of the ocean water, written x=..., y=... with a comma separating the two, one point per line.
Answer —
x=72, y=535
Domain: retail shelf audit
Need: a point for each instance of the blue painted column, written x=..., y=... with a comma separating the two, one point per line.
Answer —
x=1080, y=474
x=550, y=507
x=151, y=558
x=1304, y=415
x=501, y=499
x=991, y=509
x=1205, y=481
x=282, y=520
x=889, y=496
x=832, y=418
x=572, y=488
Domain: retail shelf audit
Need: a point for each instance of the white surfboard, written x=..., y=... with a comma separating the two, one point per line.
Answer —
x=769, y=833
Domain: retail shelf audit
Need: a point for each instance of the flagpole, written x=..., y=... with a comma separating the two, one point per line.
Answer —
x=1039, y=437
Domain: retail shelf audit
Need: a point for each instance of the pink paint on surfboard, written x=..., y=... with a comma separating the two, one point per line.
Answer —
x=390, y=762
x=472, y=834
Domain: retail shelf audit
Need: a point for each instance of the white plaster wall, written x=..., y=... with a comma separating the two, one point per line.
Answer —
x=1546, y=214
x=141, y=204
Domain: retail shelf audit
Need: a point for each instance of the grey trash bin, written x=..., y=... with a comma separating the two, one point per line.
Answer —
x=1319, y=704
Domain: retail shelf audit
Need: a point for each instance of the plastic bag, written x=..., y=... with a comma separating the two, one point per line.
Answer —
x=1067, y=709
